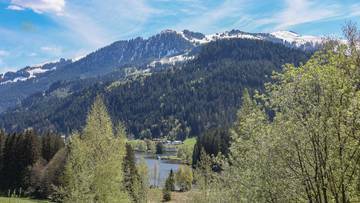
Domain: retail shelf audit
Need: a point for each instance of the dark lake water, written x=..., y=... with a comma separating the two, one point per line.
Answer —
x=159, y=169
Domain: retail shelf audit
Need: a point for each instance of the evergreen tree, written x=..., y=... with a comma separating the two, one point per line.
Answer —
x=94, y=168
x=29, y=154
x=169, y=186
x=51, y=144
x=143, y=171
x=132, y=179
x=166, y=194
x=170, y=181
x=159, y=148
x=9, y=168
x=2, y=146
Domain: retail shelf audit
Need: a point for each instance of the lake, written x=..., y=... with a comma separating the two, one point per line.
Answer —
x=158, y=169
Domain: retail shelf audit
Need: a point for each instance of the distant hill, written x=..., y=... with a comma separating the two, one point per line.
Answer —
x=178, y=100
x=166, y=48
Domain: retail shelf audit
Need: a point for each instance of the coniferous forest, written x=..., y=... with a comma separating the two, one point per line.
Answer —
x=245, y=121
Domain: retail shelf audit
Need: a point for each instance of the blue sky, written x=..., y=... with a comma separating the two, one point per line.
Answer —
x=36, y=31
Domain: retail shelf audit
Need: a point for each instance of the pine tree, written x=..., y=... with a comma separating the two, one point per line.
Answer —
x=30, y=154
x=159, y=148
x=132, y=179
x=3, y=141
x=169, y=186
x=94, y=168
x=166, y=195
x=2, y=146
x=170, y=181
x=51, y=144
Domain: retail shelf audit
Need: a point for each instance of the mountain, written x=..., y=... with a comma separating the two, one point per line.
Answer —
x=181, y=100
x=164, y=49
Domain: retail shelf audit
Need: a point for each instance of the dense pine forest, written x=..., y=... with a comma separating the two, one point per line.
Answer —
x=179, y=102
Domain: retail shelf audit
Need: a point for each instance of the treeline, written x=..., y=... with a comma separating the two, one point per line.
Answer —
x=29, y=162
x=308, y=150
x=179, y=102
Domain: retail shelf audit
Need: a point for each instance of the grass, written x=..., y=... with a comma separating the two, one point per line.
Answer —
x=20, y=200
x=190, y=142
x=155, y=196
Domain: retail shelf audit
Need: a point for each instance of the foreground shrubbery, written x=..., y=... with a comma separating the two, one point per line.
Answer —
x=30, y=163
x=309, y=151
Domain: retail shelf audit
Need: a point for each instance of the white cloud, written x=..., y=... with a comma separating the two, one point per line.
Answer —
x=303, y=11
x=4, y=53
x=209, y=20
x=96, y=23
x=52, y=50
x=15, y=8
x=355, y=10
x=39, y=6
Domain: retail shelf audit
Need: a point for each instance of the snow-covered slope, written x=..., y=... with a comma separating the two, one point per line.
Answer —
x=288, y=38
x=285, y=37
x=30, y=72
x=296, y=39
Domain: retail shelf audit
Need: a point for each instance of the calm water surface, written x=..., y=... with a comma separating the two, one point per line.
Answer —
x=158, y=169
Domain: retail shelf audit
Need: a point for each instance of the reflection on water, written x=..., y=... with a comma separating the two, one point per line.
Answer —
x=158, y=169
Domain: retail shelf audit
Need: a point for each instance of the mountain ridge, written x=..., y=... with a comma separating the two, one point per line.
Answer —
x=165, y=48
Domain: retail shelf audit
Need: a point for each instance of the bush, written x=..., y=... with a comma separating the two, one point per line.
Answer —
x=184, y=178
x=159, y=148
x=166, y=195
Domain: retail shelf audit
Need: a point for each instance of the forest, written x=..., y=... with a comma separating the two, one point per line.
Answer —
x=179, y=102
x=294, y=139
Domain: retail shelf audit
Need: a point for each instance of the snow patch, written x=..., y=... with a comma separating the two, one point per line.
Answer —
x=172, y=60
x=296, y=39
x=32, y=74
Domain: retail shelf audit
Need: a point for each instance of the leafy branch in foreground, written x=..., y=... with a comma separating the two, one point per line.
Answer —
x=310, y=149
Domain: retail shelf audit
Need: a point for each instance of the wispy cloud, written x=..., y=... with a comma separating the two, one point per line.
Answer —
x=15, y=8
x=52, y=50
x=39, y=6
x=4, y=53
x=97, y=23
x=355, y=10
x=209, y=20
x=304, y=11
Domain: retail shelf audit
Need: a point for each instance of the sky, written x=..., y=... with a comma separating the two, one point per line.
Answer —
x=37, y=31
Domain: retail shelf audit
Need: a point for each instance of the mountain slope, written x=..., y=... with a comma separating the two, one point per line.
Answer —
x=166, y=48
x=180, y=101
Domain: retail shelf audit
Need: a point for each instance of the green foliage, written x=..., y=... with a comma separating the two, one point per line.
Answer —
x=143, y=171
x=94, y=167
x=182, y=102
x=25, y=165
x=132, y=180
x=159, y=148
x=20, y=153
x=169, y=186
x=213, y=141
x=310, y=150
x=184, y=178
x=185, y=150
x=51, y=144
x=166, y=195
x=170, y=181
x=2, y=146
x=138, y=145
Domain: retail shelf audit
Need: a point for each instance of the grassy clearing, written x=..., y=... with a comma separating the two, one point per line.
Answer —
x=20, y=200
x=155, y=196
x=185, y=150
